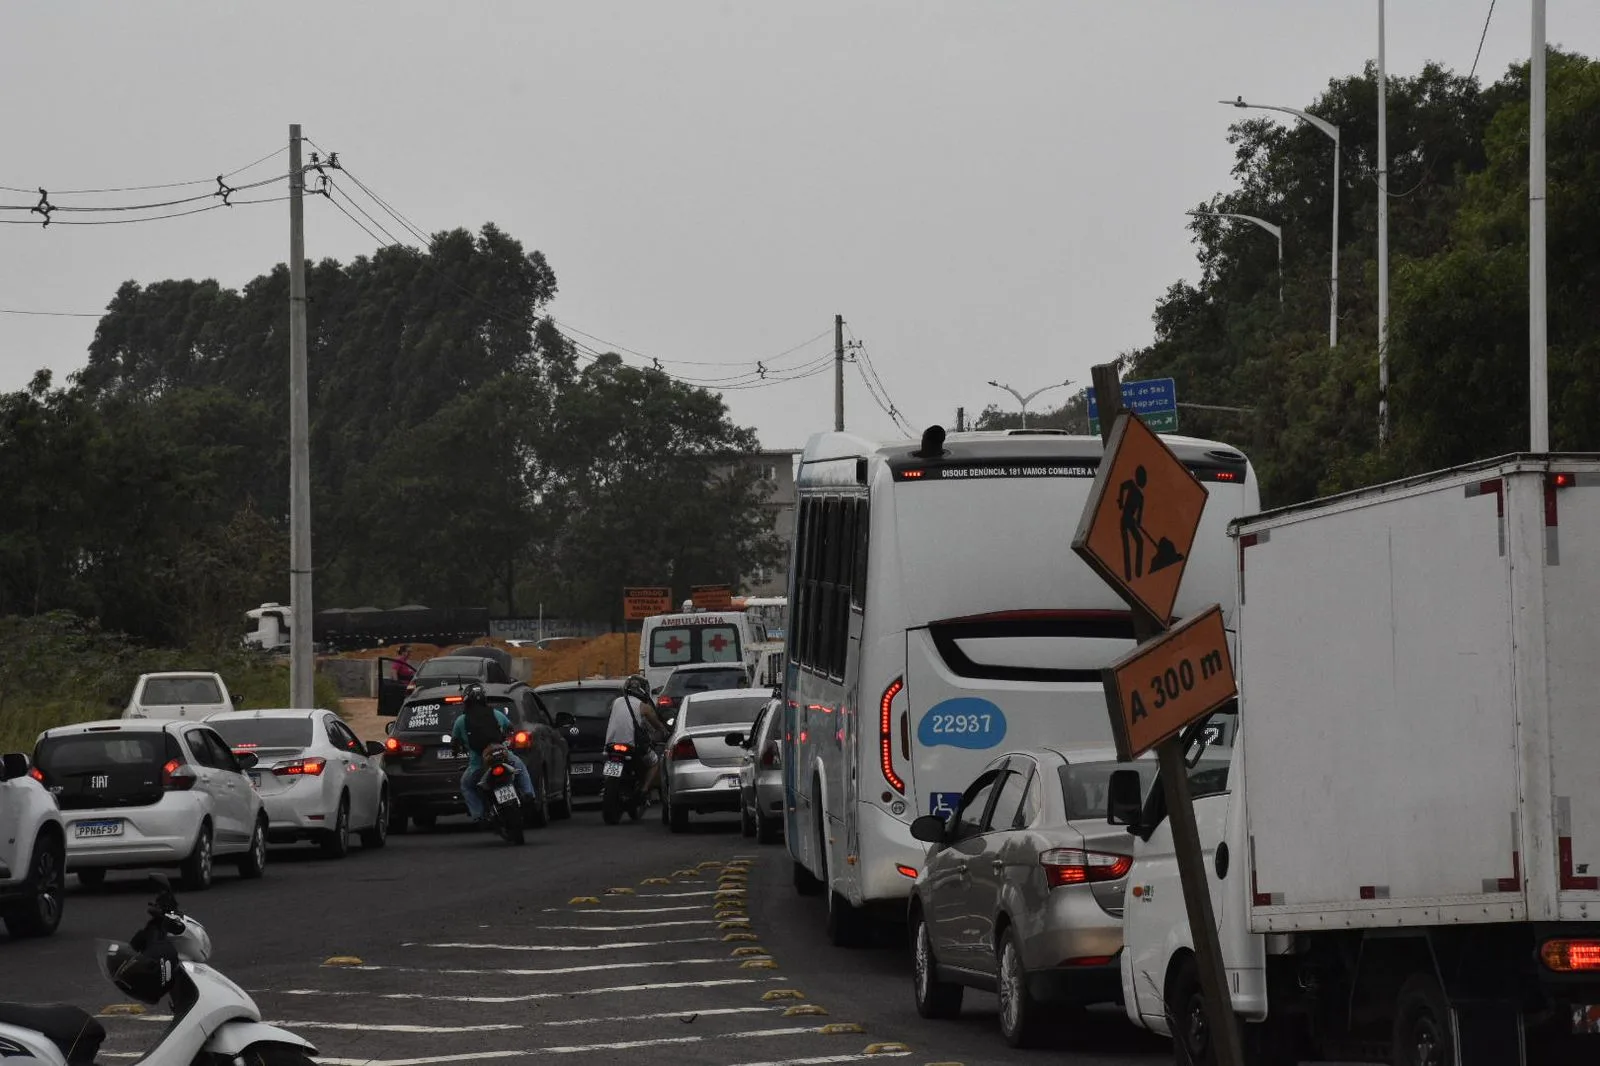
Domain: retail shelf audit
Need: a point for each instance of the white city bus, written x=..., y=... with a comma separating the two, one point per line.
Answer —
x=938, y=617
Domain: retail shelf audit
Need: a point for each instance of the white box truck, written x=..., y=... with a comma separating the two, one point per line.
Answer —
x=1404, y=855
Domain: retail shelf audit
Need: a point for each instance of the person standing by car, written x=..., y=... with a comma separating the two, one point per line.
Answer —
x=634, y=722
x=403, y=670
x=479, y=727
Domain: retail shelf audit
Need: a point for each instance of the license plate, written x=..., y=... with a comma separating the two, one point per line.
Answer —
x=583, y=768
x=729, y=781
x=447, y=753
x=98, y=829
x=505, y=794
x=613, y=769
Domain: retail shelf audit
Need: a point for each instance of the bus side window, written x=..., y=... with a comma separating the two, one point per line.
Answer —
x=858, y=574
x=805, y=594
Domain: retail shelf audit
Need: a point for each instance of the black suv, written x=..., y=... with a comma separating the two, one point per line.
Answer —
x=589, y=705
x=424, y=765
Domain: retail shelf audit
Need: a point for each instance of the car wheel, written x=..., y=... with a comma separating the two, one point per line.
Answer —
x=935, y=998
x=196, y=869
x=747, y=820
x=1019, y=1011
x=336, y=841
x=538, y=812
x=805, y=882
x=680, y=819
x=253, y=863
x=768, y=830
x=1186, y=1014
x=94, y=877
x=39, y=913
x=562, y=808
x=378, y=835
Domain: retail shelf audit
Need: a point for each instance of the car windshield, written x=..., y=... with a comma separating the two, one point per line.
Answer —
x=581, y=702
x=171, y=691
x=245, y=734
x=83, y=752
x=463, y=666
x=683, y=682
x=739, y=710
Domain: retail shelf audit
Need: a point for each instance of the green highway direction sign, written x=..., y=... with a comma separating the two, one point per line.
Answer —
x=1155, y=401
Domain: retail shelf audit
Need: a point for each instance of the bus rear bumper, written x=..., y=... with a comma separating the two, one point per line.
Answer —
x=888, y=859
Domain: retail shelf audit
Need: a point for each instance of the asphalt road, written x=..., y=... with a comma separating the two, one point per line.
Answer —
x=588, y=943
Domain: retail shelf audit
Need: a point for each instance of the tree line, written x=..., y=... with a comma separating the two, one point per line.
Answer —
x=463, y=453
x=1458, y=239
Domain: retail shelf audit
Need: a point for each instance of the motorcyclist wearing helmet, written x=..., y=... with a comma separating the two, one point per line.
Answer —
x=634, y=722
x=478, y=727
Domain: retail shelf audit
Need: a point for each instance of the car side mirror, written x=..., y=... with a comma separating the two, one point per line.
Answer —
x=247, y=760
x=565, y=720
x=388, y=728
x=1125, y=798
x=734, y=740
x=13, y=765
x=930, y=829
x=374, y=748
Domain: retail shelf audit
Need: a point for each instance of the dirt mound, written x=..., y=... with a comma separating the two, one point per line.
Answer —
x=609, y=655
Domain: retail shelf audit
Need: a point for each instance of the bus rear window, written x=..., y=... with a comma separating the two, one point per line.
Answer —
x=677, y=645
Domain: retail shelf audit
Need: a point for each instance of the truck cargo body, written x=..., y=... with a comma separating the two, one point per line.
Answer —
x=1412, y=816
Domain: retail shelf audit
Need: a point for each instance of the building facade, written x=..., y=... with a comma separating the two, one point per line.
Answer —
x=776, y=470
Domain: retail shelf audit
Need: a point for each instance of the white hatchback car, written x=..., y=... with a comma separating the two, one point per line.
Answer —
x=316, y=779
x=153, y=792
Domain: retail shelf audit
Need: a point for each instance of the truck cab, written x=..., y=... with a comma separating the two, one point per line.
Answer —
x=32, y=852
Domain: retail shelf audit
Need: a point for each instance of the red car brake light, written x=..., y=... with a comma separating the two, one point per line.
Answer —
x=312, y=767
x=1074, y=866
x=36, y=774
x=177, y=776
x=402, y=749
x=684, y=749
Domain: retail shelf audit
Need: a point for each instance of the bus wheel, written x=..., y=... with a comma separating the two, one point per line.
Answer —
x=805, y=882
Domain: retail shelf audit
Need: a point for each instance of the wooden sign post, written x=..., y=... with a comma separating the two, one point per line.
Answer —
x=1136, y=533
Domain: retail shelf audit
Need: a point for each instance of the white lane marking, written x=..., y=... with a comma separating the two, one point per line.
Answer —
x=817, y=1060
x=613, y=946
x=524, y=998
x=686, y=1012
x=823, y=1060
x=622, y=928
x=626, y=1045
x=624, y=910
x=365, y=1027
x=536, y=973
x=468, y=1057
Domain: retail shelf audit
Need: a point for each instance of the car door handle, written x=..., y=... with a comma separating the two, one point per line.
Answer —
x=999, y=866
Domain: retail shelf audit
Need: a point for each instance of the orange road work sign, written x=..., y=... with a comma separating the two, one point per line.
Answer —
x=1141, y=518
x=641, y=603
x=1164, y=684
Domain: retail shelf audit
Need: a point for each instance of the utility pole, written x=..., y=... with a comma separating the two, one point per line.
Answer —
x=1383, y=238
x=838, y=373
x=301, y=663
x=1538, y=337
x=961, y=419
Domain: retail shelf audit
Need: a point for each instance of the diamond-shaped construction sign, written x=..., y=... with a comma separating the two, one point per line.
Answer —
x=1141, y=518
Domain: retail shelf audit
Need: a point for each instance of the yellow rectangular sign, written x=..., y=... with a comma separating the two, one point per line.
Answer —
x=1161, y=686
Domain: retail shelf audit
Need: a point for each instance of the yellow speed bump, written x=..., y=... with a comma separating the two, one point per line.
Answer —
x=782, y=993
x=619, y=892
x=656, y=881
x=840, y=1029
x=742, y=923
x=749, y=952
x=758, y=964
x=685, y=873
x=115, y=1009
x=888, y=1047
x=731, y=937
x=577, y=901
x=343, y=960
x=805, y=1010
x=711, y=864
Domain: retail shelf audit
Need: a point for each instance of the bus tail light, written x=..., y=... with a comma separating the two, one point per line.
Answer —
x=886, y=735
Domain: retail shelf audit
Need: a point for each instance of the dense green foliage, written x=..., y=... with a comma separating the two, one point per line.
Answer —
x=460, y=454
x=1458, y=246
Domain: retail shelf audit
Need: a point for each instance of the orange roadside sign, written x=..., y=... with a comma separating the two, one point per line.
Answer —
x=1164, y=684
x=641, y=603
x=1141, y=518
x=712, y=597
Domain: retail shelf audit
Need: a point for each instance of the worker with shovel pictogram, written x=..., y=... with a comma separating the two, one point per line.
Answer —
x=1130, y=501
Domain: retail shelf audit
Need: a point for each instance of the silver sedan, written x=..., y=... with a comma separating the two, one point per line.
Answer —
x=761, y=776
x=1022, y=890
x=317, y=781
x=701, y=772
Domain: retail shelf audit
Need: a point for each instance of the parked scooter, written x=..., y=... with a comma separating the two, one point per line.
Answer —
x=213, y=1020
x=622, y=781
x=498, y=783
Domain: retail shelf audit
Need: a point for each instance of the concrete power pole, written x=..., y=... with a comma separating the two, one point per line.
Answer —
x=301, y=663
x=838, y=373
x=961, y=419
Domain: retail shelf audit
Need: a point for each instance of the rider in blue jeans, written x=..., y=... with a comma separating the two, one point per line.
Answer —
x=476, y=729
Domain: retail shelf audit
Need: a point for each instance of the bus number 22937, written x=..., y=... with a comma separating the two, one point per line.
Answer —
x=962, y=723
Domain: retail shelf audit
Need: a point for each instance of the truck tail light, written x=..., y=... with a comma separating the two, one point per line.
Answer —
x=1571, y=956
x=1074, y=866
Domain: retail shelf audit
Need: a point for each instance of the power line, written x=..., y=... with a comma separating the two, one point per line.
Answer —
x=147, y=218
x=1481, y=39
x=54, y=314
x=150, y=188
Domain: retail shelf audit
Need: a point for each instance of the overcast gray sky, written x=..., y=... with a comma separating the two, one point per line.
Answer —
x=981, y=189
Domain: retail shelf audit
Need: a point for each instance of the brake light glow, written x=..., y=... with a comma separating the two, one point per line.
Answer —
x=176, y=776
x=907, y=871
x=1571, y=956
x=245, y=745
x=302, y=768
x=1225, y=475
x=620, y=749
x=684, y=749
x=1563, y=480
x=498, y=771
x=1090, y=960
x=663, y=701
x=1074, y=866
x=521, y=739
x=401, y=748
x=886, y=735
x=36, y=774
x=455, y=699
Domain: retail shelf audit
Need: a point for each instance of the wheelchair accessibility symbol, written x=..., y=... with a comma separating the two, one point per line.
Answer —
x=944, y=804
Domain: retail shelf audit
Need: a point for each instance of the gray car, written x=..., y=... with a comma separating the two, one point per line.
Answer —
x=1022, y=890
x=761, y=775
x=701, y=771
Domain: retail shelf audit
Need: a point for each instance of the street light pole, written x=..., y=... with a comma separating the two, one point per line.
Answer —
x=1025, y=400
x=1332, y=131
x=1276, y=231
x=1383, y=238
x=1538, y=337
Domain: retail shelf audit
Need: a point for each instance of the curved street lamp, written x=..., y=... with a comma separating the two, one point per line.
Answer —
x=1276, y=231
x=1332, y=131
x=1025, y=400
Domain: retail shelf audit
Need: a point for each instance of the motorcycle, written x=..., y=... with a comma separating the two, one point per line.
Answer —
x=622, y=793
x=213, y=1020
x=498, y=783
